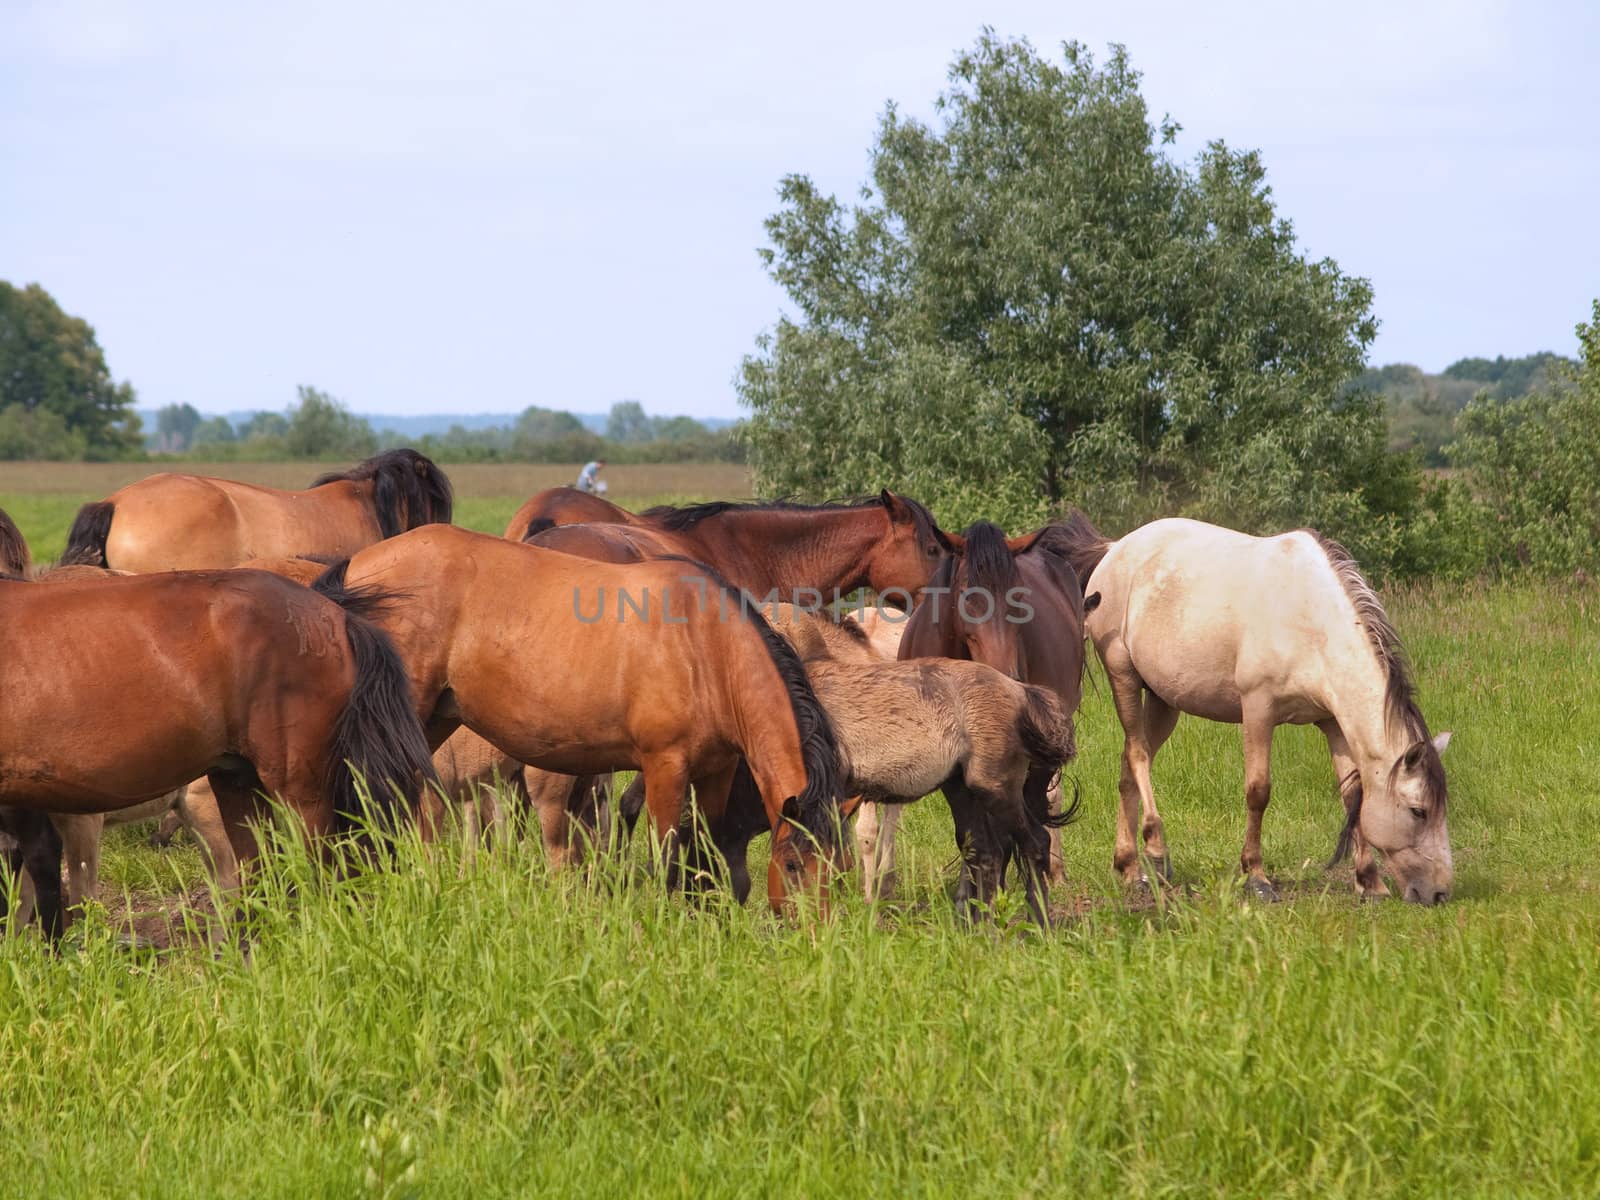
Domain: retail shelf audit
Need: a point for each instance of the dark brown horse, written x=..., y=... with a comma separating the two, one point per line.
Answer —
x=116, y=690
x=1015, y=606
x=584, y=667
x=889, y=543
x=14, y=558
x=194, y=522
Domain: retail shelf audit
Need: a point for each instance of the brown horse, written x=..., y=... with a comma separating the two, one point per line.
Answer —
x=582, y=667
x=889, y=543
x=1015, y=606
x=116, y=690
x=566, y=506
x=808, y=553
x=14, y=558
x=194, y=522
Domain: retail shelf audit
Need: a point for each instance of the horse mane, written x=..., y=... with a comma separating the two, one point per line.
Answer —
x=1400, y=692
x=991, y=566
x=1076, y=541
x=407, y=487
x=678, y=518
x=14, y=558
x=816, y=809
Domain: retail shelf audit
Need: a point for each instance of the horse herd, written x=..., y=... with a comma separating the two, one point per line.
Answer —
x=205, y=644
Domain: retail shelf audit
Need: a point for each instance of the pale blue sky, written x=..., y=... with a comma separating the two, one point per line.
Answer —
x=474, y=207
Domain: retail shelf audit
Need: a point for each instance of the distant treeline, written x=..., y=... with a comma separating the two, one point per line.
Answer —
x=1422, y=408
x=318, y=426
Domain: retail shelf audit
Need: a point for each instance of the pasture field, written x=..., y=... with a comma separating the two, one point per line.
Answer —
x=509, y=1032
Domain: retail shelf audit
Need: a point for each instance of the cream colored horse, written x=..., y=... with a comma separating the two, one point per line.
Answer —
x=1262, y=632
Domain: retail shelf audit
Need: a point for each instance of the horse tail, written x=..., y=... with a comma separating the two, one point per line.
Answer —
x=14, y=558
x=1077, y=540
x=378, y=733
x=1045, y=729
x=86, y=541
x=366, y=603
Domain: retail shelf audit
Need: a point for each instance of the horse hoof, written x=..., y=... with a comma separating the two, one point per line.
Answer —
x=1163, y=866
x=1262, y=890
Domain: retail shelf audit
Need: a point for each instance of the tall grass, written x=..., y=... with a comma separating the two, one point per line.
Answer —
x=500, y=1031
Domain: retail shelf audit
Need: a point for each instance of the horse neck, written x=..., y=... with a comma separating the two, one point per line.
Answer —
x=826, y=549
x=1356, y=686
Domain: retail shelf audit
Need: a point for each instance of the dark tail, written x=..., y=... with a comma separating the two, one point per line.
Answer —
x=14, y=558
x=86, y=543
x=1077, y=540
x=367, y=603
x=1045, y=728
x=378, y=733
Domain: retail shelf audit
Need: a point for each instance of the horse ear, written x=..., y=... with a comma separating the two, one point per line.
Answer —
x=897, y=508
x=1021, y=545
x=1441, y=742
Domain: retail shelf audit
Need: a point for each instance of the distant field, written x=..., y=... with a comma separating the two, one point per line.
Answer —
x=43, y=497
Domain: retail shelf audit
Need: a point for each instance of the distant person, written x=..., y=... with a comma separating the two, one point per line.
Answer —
x=589, y=477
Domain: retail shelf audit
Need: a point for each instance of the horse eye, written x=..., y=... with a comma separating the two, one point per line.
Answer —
x=1420, y=814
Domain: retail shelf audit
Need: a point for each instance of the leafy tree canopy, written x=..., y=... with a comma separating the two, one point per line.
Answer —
x=51, y=363
x=1035, y=302
x=321, y=427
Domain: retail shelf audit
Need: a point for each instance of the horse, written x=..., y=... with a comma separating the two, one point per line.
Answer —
x=909, y=728
x=1260, y=632
x=565, y=506
x=15, y=560
x=891, y=544
x=1016, y=606
x=522, y=645
x=172, y=522
x=116, y=690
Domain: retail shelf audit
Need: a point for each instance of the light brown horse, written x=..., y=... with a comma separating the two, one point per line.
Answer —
x=194, y=522
x=114, y=691
x=806, y=553
x=583, y=667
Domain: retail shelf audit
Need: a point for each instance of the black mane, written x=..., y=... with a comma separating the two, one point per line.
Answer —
x=14, y=558
x=408, y=489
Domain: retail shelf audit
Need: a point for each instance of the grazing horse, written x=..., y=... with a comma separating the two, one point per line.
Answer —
x=1015, y=606
x=1262, y=632
x=116, y=690
x=194, y=522
x=584, y=667
x=14, y=558
x=890, y=544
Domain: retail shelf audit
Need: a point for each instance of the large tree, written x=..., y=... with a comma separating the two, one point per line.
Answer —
x=50, y=362
x=1036, y=302
x=322, y=427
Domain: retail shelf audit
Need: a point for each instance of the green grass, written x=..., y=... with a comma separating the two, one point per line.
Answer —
x=569, y=1035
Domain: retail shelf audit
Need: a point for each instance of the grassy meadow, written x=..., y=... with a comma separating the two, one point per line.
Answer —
x=443, y=1029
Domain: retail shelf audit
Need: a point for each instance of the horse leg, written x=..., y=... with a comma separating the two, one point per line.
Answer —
x=1160, y=719
x=1127, y=692
x=551, y=796
x=1369, y=880
x=237, y=807
x=666, y=786
x=876, y=828
x=1258, y=728
x=197, y=809
x=981, y=863
x=167, y=829
x=37, y=851
x=80, y=844
x=704, y=847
